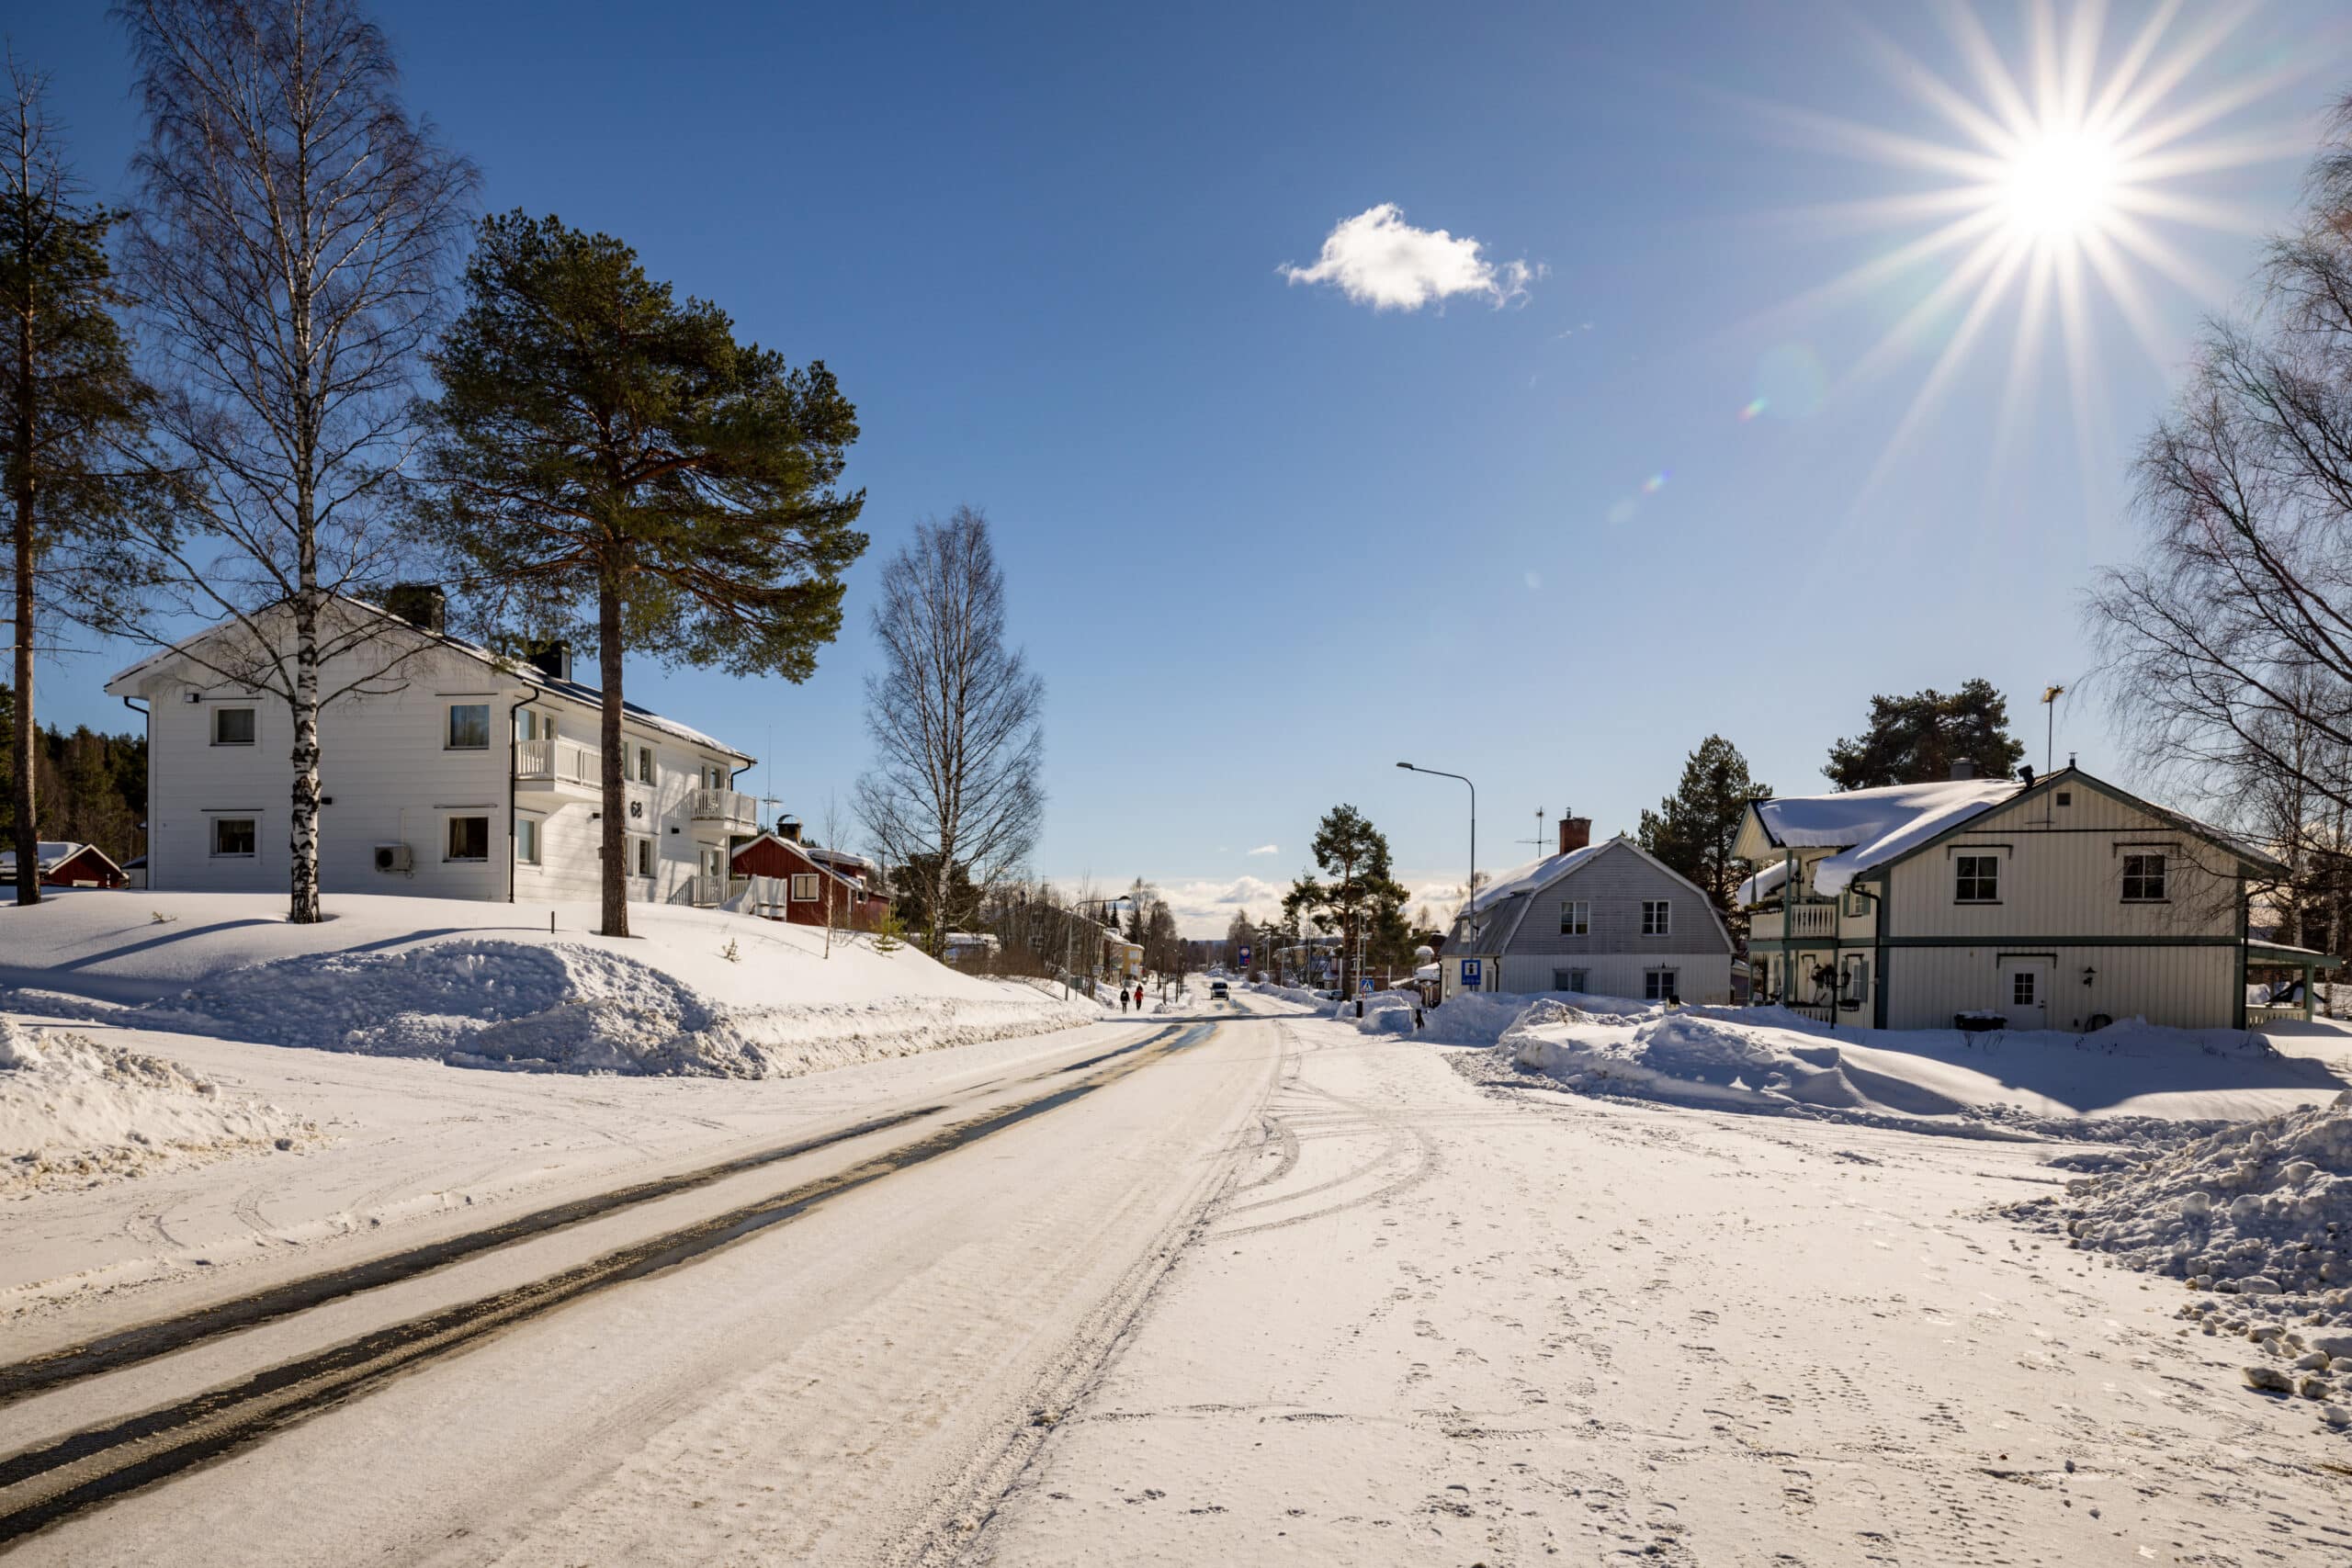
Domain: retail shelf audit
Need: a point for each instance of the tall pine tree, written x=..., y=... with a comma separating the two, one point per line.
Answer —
x=606, y=459
x=1693, y=829
x=1357, y=896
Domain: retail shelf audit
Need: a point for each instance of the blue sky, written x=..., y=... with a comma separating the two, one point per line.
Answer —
x=1263, y=538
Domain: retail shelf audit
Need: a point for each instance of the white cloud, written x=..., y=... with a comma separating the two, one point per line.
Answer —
x=1204, y=908
x=1378, y=259
x=1267, y=850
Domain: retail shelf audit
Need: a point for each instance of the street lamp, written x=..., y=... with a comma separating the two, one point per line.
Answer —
x=1470, y=911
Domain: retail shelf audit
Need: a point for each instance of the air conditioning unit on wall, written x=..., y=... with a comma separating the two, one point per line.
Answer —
x=395, y=857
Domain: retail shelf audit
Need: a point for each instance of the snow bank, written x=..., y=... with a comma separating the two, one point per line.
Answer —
x=2256, y=1218
x=696, y=992
x=75, y=1110
x=2129, y=1081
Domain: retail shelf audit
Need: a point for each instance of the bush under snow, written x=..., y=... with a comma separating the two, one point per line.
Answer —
x=75, y=1110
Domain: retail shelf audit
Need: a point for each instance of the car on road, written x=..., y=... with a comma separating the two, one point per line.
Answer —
x=1216, y=990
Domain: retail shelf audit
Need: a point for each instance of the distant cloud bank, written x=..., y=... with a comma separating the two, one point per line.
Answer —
x=1378, y=259
x=1267, y=850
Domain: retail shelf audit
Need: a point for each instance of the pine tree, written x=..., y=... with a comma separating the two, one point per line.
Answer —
x=1693, y=829
x=72, y=411
x=1915, y=739
x=601, y=451
x=1358, y=892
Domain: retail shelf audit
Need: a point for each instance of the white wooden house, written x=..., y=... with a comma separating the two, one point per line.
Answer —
x=1604, y=919
x=456, y=775
x=2062, y=902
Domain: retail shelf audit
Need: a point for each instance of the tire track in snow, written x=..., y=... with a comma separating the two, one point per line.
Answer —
x=43, y=1485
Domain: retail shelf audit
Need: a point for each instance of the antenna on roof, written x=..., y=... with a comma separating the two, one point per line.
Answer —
x=1539, y=841
x=2050, y=696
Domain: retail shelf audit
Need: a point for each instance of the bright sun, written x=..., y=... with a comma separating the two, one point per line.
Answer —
x=2060, y=184
x=2050, y=181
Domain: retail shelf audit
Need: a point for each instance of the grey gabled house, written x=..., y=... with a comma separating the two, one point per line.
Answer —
x=1604, y=919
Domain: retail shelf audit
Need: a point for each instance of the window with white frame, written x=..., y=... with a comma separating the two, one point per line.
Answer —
x=2143, y=879
x=1576, y=980
x=469, y=726
x=233, y=726
x=804, y=887
x=1856, y=905
x=2021, y=988
x=645, y=765
x=527, y=839
x=1661, y=985
x=1858, y=979
x=468, y=838
x=1657, y=919
x=1977, y=879
x=1576, y=917
x=641, y=856
x=233, y=837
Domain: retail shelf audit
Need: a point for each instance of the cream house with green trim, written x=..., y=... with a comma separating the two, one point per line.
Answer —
x=2057, y=903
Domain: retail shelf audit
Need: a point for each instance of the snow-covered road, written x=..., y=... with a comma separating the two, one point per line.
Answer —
x=1450, y=1325
x=1268, y=1291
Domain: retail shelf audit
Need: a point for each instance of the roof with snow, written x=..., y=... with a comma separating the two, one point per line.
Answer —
x=1503, y=903
x=529, y=674
x=1868, y=828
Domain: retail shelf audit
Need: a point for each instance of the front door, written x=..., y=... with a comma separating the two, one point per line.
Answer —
x=2025, y=992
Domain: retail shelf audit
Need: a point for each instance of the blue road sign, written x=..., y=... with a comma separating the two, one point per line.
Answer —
x=1470, y=975
x=1245, y=957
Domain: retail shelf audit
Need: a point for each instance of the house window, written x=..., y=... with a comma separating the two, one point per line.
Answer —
x=233, y=726
x=804, y=887
x=1977, y=879
x=2066, y=798
x=468, y=838
x=233, y=838
x=1660, y=986
x=1857, y=906
x=645, y=765
x=1577, y=980
x=643, y=856
x=527, y=839
x=1576, y=917
x=2143, y=879
x=2021, y=988
x=530, y=724
x=1657, y=920
x=1857, y=979
x=469, y=726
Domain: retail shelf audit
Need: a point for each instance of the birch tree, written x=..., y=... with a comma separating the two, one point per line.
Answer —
x=294, y=233
x=956, y=718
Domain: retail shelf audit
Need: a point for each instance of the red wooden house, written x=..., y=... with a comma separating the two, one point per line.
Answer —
x=68, y=865
x=789, y=882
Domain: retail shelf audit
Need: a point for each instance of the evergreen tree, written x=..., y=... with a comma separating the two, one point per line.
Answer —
x=602, y=451
x=1915, y=739
x=1357, y=893
x=1692, y=830
x=72, y=410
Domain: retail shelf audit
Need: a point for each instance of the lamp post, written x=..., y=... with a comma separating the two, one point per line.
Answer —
x=1470, y=909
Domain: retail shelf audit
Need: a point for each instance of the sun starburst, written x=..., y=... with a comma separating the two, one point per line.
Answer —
x=2053, y=184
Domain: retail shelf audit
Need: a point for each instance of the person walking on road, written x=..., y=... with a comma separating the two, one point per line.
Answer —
x=1123, y=998
x=1138, y=996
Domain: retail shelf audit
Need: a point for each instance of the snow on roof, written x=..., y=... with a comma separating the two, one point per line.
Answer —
x=1868, y=826
x=50, y=854
x=1764, y=884
x=530, y=673
x=1535, y=874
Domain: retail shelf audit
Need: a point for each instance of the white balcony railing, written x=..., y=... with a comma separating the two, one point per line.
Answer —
x=729, y=806
x=558, y=761
x=1812, y=920
x=704, y=891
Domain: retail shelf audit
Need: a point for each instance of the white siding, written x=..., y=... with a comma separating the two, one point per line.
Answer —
x=1699, y=977
x=390, y=777
x=2188, y=988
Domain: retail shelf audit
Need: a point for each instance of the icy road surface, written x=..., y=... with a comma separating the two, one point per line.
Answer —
x=1264, y=1291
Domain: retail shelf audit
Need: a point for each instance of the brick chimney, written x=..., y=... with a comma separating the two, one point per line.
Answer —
x=1576, y=832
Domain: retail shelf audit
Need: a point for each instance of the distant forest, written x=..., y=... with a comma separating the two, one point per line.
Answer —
x=89, y=788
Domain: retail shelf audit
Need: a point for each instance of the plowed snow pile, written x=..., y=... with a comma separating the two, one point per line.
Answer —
x=75, y=1110
x=2257, y=1219
x=695, y=992
x=2126, y=1083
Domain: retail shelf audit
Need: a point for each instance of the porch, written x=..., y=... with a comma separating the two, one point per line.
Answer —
x=2298, y=968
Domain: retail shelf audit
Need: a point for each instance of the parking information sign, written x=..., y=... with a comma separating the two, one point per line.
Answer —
x=1470, y=977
